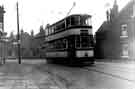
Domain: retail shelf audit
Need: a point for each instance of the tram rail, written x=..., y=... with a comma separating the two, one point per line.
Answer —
x=109, y=74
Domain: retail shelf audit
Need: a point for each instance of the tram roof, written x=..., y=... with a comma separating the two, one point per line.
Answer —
x=78, y=15
x=72, y=16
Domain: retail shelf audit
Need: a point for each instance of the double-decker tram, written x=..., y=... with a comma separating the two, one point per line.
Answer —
x=70, y=40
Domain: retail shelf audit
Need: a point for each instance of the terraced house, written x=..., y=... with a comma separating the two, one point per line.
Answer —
x=115, y=39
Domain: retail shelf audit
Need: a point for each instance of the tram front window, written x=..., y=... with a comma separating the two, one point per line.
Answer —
x=75, y=20
x=77, y=42
x=85, y=41
x=86, y=21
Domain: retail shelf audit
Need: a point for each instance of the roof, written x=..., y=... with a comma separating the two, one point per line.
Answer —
x=106, y=24
x=129, y=4
x=103, y=27
x=71, y=16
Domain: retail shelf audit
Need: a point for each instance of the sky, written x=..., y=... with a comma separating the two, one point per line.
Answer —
x=34, y=13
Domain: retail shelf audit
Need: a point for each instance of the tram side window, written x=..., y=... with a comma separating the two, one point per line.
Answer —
x=51, y=46
x=77, y=41
x=63, y=25
x=60, y=26
x=64, y=43
x=57, y=44
x=60, y=44
x=54, y=44
x=72, y=21
x=68, y=22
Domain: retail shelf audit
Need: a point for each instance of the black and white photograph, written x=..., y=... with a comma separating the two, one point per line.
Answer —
x=67, y=44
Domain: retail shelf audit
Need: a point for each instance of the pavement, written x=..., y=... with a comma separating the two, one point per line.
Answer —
x=26, y=76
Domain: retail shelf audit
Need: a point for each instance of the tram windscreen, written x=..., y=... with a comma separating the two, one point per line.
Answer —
x=78, y=21
x=86, y=21
x=84, y=41
x=75, y=20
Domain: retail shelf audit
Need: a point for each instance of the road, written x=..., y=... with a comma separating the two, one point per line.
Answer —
x=40, y=75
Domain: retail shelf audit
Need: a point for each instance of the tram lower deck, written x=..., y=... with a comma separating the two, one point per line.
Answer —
x=71, y=50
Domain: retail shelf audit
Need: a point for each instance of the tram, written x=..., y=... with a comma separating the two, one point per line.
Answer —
x=70, y=40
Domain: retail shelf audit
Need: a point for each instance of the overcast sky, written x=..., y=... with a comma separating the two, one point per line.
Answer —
x=34, y=13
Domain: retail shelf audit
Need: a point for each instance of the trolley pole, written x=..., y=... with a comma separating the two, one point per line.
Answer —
x=18, y=36
x=71, y=8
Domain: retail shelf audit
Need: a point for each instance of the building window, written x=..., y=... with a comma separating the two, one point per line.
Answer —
x=0, y=26
x=133, y=14
x=125, y=52
x=124, y=31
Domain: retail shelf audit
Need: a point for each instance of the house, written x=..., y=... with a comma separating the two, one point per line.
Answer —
x=115, y=39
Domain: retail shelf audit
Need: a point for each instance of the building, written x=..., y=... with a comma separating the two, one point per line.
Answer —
x=37, y=42
x=25, y=45
x=30, y=46
x=115, y=39
x=12, y=46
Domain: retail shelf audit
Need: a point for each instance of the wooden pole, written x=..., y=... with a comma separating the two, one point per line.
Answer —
x=18, y=36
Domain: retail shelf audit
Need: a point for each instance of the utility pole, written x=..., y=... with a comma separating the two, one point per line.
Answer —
x=3, y=34
x=18, y=35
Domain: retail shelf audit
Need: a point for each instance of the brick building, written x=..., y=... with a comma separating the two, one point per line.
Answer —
x=37, y=43
x=30, y=44
x=25, y=46
x=115, y=39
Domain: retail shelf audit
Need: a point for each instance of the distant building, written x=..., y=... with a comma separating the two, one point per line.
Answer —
x=25, y=40
x=30, y=44
x=37, y=42
x=115, y=39
x=12, y=46
x=25, y=44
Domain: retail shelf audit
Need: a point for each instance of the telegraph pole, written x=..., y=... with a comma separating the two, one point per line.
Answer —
x=18, y=36
x=3, y=34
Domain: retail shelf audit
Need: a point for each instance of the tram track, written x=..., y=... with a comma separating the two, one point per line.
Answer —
x=120, y=69
x=109, y=74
